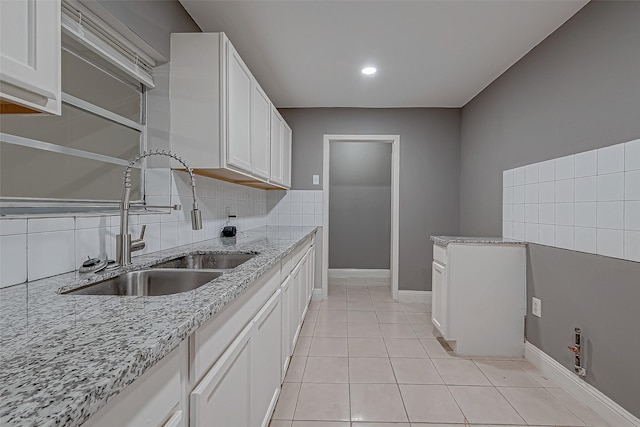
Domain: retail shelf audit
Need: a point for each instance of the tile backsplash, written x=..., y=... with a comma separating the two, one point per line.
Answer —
x=588, y=202
x=36, y=247
x=294, y=208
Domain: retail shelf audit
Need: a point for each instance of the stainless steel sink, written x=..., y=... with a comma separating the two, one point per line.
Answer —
x=150, y=282
x=208, y=261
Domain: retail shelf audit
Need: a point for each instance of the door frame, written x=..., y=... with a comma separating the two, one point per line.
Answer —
x=394, y=140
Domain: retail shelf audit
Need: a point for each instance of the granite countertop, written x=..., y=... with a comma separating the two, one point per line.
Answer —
x=445, y=240
x=63, y=356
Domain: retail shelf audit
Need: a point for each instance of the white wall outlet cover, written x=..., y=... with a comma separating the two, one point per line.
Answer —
x=316, y=179
x=536, y=307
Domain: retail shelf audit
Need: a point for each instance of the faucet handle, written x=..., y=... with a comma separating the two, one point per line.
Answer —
x=144, y=228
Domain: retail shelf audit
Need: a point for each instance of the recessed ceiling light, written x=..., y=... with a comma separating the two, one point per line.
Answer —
x=367, y=71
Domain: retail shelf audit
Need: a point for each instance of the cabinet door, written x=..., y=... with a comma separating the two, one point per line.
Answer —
x=287, y=350
x=276, y=147
x=30, y=54
x=223, y=397
x=265, y=360
x=294, y=307
x=286, y=155
x=260, y=132
x=238, y=143
x=439, y=297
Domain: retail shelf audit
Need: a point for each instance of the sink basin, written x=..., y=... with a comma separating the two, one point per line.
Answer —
x=151, y=282
x=209, y=261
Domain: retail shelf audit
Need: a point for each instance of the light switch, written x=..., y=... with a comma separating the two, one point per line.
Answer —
x=316, y=179
x=536, y=307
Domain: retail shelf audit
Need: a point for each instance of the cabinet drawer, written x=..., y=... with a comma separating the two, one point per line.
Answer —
x=440, y=254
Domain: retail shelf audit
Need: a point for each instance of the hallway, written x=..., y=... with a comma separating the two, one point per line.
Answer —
x=363, y=360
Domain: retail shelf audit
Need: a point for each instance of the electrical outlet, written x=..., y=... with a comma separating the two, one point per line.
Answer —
x=536, y=307
x=316, y=179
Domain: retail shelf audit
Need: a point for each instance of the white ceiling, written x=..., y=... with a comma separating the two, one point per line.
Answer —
x=428, y=53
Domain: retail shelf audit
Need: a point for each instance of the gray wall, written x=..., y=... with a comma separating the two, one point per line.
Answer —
x=578, y=90
x=360, y=205
x=152, y=20
x=429, y=170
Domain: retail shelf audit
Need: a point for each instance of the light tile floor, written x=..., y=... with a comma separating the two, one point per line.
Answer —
x=363, y=360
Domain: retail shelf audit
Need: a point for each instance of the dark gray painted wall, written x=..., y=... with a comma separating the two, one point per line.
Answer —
x=153, y=20
x=360, y=205
x=429, y=170
x=578, y=90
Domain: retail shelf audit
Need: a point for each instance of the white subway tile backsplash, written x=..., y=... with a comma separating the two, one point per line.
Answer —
x=531, y=213
x=610, y=187
x=546, y=234
x=507, y=212
x=518, y=212
x=531, y=193
x=308, y=209
x=41, y=225
x=507, y=196
x=518, y=194
x=586, y=164
x=169, y=235
x=585, y=214
x=546, y=192
x=308, y=220
x=546, y=213
x=547, y=171
x=507, y=178
x=158, y=182
x=92, y=243
x=531, y=174
x=564, y=191
x=518, y=230
x=632, y=155
x=565, y=168
x=610, y=215
x=564, y=213
x=308, y=196
x=632, y=245
x=585, y=239
x=13, y=259
x=284, y=220
x=610, y=243
x=13, y=226
x=632, y=185
x=317, y=220
x=632, y=216
x=518, y=176
x=589, y=202
x=611, y=159
x=531, y=233
x=564, y=237
x=318, y=208
x=586, y=189
x=296, y=197
x=319, y=196
x=296, y=220
x=507, y=229
x=296, y=208
x=153, y=238
x=50, y=253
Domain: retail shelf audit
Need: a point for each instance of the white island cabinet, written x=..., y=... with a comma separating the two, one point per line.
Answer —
x=222, y=121
x=30, y=56
x=478, y=296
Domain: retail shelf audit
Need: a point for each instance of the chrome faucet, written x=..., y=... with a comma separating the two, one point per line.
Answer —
x=124, y=244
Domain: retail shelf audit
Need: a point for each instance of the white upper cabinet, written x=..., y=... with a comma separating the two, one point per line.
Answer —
x=30, y=56
x=260, y=132
x=276, y=147
x=286, y=155
x=238, y=100
x=221, y=119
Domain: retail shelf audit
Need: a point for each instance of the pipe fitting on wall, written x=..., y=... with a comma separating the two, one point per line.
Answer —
x=577, y=351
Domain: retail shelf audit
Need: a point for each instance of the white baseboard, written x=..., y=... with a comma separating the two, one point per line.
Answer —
x=369, y=273
x=423, y=297
x=584, y=392
x=317, y=295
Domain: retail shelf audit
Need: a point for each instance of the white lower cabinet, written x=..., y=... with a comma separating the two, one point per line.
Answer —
x=265, y=360
x=230, y=370
x=439, y=298
x=223, y=397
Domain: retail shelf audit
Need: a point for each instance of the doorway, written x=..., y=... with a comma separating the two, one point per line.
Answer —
x=352, y=215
